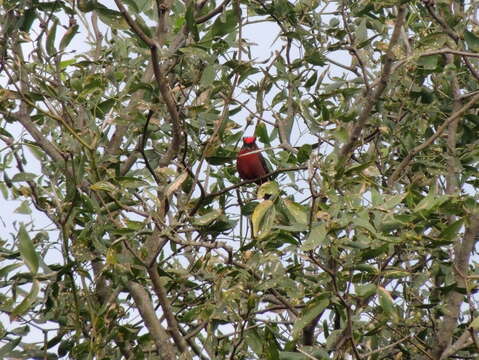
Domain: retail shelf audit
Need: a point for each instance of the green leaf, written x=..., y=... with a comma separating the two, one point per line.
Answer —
x=270, y=345
x=361, y=32
x=428, y=62
x=431, y=202
x=289, y=355
x=312, y=80
x=21, y=330
x=316, y=237
x=27, y=302
x=24, y=176
x=262, y=133
x=104, y=107
x=365, y=290
x=362, y=220
x=387, y=304
x=304, y=153
x=224, y=24
x=308, y=314
x=4, y=190
x=131, y=182
x=366, y=268
x=254, y=341
x=50, y=43
x=132, y=6
x=111, y=17
x=450, y=232
x=392, y=201
x=191, y=21
x=248, y=208
x=263, y=218
x=472, y=41
x=5, y=351
x=208, y=76
x=68, y=36
x=315, y=58
x=29, y=17
x=27, y=250
x=9, y=268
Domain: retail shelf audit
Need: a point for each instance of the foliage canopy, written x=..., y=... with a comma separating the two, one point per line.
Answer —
x=120, y=123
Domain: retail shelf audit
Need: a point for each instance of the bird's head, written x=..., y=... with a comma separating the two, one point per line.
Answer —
x=249, y=142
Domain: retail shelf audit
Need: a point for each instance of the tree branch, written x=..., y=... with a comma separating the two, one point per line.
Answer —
x=167, y=311
x=371, y=100
x=160, y=336
x=399, y=171
x=454, y=299
x=162, y=83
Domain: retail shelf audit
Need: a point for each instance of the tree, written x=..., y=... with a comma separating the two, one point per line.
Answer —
x=120, y=125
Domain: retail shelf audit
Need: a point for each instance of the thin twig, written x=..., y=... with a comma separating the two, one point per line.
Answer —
x=213, y=12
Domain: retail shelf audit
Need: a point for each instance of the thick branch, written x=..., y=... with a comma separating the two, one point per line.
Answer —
x=166, y=307
x=464, y=341
x=454, y=300
x=160, y=336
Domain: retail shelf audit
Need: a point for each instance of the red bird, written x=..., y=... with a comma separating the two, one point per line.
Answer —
x=251, y=166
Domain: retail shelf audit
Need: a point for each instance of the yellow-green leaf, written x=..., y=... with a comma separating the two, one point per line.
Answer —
x=268, y=188
x=475, y=323
x=263, y=217
x=68, y=36
x=207, y=218
x=104, y=186
x=176, y=184
x=365, y=290
x=299, y=213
